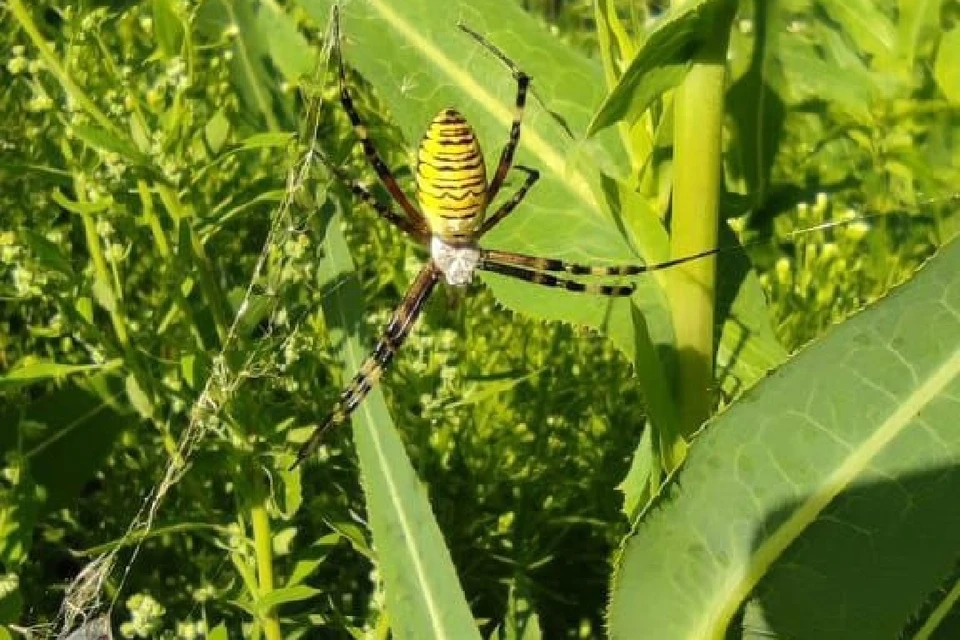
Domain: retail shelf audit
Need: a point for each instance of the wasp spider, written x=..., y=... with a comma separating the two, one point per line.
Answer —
x=453, y=194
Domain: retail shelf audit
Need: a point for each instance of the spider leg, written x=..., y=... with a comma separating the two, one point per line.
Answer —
x=369, y=150
x=488, y=263
x=562, y=266
x=373, y=367
x=401, y=222
x=532, y=176
x=523, y=85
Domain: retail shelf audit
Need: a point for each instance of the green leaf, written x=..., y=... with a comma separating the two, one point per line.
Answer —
x=291, y=498
x=642, y=479
x=828, y=490
x=217, y=131
x=105, y=141
x=266, y=140
x=757, y=110
x=80, y=208
x=354, y=534
x=21, y=504
x=865, y=22
x=422, y=591
x=808, y=77
x=748, y=345
x=660, y=64
x=80, y=428
x=918, y=18
x=219, y=633
x=168, y=28
x=521, y=621
x=946, y=70
x=285, y=43
x=310, y=559
x=250, y=71
x=48, y=254
x=138, y=398
x=32, y=370
x=285, y=594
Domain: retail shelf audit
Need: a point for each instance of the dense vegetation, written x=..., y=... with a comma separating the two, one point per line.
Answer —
x=184, y=288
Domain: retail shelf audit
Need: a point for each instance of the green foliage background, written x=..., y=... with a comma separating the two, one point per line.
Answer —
x=129, y=240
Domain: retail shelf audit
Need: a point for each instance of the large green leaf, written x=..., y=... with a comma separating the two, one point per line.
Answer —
x=828, y=491
x=423, y=596
x=918, y=20
x=757, y=110
x=80, y=424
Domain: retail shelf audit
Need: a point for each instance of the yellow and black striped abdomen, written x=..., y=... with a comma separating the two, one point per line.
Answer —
x=451, y=177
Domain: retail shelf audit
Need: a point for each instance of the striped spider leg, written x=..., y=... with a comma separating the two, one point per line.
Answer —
x=523, y=84
x=369, y=150
x=373, y=367
x=552, y=265
x=418, y=232
x=508, y=261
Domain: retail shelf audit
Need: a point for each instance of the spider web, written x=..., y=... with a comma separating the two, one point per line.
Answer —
x=84, y=610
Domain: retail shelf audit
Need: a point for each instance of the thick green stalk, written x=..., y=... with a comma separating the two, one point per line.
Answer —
x=263, y=545
x=691, y=288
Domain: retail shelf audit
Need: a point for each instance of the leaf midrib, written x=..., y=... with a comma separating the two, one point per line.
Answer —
x=356, y=356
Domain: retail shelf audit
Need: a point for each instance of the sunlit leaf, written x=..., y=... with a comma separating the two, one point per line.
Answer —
x=946, y=70
x=838, y=471
x=285, y=594
x=918, y=18
x=659, y=65
x=865, y=22
x=106, y=141
x=168, y=28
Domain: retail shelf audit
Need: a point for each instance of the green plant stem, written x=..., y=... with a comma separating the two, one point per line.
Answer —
x=691, y=288
x=101, y=274
x=263, y=545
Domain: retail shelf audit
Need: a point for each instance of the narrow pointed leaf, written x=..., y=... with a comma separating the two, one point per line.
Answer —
x=423, y=595
x=660, y=64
